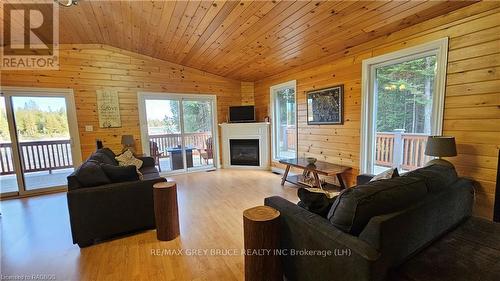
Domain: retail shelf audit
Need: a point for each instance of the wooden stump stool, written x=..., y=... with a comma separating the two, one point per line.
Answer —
x=166, y=213
x=261, y=240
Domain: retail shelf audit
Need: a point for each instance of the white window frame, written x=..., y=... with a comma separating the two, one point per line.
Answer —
x=440, y=49
x=272, y=90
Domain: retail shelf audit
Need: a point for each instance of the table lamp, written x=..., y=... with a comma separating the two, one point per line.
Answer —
x=440, y=146
x=128, y=143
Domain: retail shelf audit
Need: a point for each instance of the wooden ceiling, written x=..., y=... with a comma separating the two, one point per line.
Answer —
x=244, y=40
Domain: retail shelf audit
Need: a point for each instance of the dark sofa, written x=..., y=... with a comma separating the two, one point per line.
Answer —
x=375, y=226
x=105, y=200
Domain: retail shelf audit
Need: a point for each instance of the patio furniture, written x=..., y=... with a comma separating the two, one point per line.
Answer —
x=155, y=153
x=176, y=159
x=207, y=153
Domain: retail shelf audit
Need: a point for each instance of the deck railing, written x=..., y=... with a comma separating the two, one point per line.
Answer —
x=165, y=141
x=37, y=156
x=397, y=149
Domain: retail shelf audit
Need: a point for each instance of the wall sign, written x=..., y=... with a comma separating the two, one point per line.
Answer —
x=108, y=108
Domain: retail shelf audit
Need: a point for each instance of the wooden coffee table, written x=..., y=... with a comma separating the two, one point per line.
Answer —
x=316, y=169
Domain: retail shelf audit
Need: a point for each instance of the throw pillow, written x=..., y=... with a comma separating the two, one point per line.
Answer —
x=316, y=200
x=120, y=173
x=91, y=174
x=389, y=174
x=127, y=158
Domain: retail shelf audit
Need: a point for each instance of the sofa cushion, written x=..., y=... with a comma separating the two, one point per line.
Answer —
x=90, y=173
x=436, y=177
x=315, y=202
x=354, y=207
x=101, y=157
x=111, y=155
x=387, y=174
x=120, y=173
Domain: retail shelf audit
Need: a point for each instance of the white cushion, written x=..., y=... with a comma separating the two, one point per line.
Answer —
x=127, y=159
x=388, y=174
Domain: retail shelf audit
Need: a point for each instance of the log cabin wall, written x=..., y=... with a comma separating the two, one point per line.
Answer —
x=87, y=68
x=247, y=93
x=472, y=103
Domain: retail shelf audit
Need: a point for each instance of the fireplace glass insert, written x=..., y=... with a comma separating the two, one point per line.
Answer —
x=244, y=152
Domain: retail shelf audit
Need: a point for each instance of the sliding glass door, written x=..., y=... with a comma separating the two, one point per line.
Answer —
x=39, y=144
x=198, y=133
x=178, y=131
x=164, y=142
x=8, y=168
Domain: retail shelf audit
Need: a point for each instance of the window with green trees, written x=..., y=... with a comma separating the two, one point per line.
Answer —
x=284, y=121
x=404, y=95
x=36, y=119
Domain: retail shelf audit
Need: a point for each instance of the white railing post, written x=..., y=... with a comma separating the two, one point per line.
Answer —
x=398, y=149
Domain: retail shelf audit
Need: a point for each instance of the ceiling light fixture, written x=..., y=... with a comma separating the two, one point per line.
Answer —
x=66, y=3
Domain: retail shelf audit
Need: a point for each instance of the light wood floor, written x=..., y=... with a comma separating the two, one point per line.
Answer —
x=36, y=236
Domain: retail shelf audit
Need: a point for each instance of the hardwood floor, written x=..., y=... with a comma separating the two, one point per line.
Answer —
x=36, y=236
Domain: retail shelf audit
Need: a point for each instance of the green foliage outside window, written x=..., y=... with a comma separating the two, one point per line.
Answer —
x=32, y=122
x=405, y=95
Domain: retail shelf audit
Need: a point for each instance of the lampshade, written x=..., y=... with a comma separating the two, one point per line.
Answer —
x=128, y=140
x=441, y=146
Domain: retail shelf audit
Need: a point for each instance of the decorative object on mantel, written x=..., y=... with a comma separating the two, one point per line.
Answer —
x=326, y=106
x=128, y=143
x=108, y=108
x=440, y=146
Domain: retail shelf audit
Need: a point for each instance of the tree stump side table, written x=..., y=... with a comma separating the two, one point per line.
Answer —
x=166, y=212
x=261, y=228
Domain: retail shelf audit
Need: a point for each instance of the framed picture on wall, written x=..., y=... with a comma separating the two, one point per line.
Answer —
x=326, y=106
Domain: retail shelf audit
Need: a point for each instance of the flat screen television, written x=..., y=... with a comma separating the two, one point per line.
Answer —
x=241, y=114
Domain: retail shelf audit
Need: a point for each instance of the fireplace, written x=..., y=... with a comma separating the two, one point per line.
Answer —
x=244, y=152
x=245, y=145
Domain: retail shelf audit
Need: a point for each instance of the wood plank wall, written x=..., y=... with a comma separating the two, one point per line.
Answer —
x=86, y=68
x=472, y=110
x=247, y=93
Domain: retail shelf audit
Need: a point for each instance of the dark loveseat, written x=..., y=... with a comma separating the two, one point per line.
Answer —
x=105, y=200
x=375, y=226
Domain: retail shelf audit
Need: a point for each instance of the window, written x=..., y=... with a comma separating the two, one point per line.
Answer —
x=39, y=140
x=403, y=95
x=284, y=121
